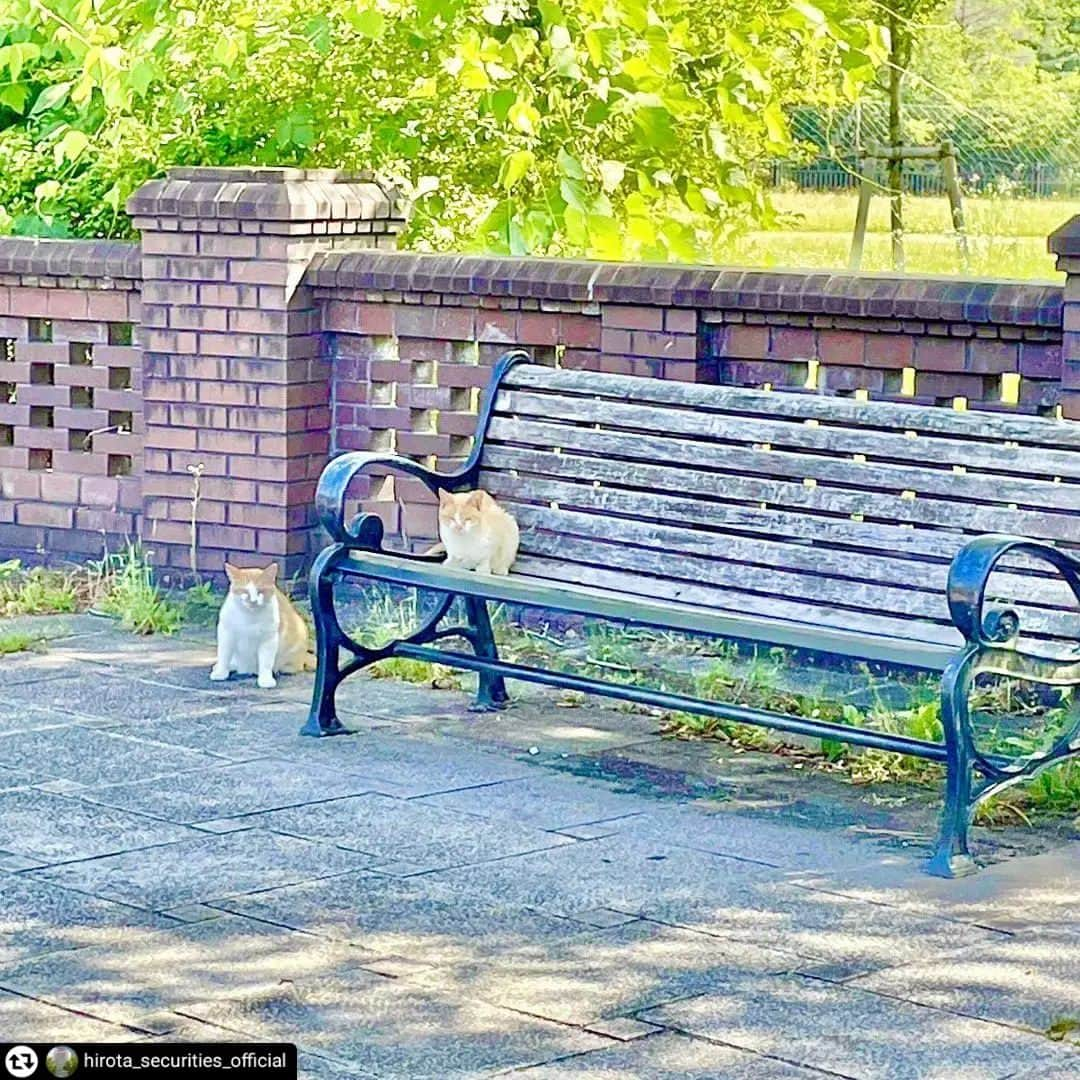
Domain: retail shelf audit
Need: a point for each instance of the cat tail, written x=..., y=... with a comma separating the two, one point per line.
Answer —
x=310, y=663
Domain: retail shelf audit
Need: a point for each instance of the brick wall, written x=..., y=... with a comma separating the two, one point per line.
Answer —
x=266, y=323
x=412, y=339
x=71, y=419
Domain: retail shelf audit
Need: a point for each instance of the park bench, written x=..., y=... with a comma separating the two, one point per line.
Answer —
x=919, y=536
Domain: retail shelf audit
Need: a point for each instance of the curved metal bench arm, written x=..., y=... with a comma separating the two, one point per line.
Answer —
x=970, y=572
x=366, y=530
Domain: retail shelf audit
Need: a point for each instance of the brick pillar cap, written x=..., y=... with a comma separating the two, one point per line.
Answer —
x=1065, y=241
x=270, y=194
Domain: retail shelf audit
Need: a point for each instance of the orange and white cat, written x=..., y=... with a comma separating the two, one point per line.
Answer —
x=259, y=631
x=477, y=533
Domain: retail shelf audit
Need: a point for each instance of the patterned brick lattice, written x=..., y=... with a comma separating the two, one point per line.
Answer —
x=412, y=339
x=235, y=380
x=71, y=420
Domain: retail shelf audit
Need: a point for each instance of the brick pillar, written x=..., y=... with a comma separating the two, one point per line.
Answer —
x=1065, y=244
x=235, y=377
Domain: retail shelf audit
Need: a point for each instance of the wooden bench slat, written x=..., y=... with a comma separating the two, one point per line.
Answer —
x=733, y=517
x=923, y=576
x=892, y=444
x=841, y=471
x=857, y=597
x=816, y=500
x=640, y=585
x=980, y=426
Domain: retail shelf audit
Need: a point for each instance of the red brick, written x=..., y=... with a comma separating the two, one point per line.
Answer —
x=993, y=357
x=54, y=517
x=615, y=341
x=890, y=350
x=256, y=273
x=631, y=317
x=111, y=306
x=538, y=328
x=60, y=487
x=99, y=490
x=673, y=346
x=226, y=442
x=455, y=324
x=414, y=321
x=18, y=484
x=680, y=321
x=66, y=304
x=748, y=341
x=840, y=347
x=1040, y=361
x=939, y=354
x=223, y=393
x=227, y=536
x=580, y=331
x=496, y=326
x=105, y=521
x=788, y=344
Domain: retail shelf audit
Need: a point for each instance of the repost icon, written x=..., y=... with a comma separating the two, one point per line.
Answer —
x=20, y=1061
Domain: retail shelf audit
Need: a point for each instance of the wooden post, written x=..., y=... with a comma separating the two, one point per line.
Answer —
x=862, y=215
x=952, y=189
x=896, y=161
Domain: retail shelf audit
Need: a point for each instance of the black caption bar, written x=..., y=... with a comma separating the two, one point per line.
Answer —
x=147, y=1061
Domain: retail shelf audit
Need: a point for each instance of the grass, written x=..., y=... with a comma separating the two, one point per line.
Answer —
x=1006, y=236
x=125, y=589
x=41, y=591
x=15, y=641
x=1010, y=718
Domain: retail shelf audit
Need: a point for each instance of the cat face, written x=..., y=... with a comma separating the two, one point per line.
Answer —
x=253, y=588
x=460, y=513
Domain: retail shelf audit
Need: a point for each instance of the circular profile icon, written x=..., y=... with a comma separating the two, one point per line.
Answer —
x=61, y=1061
x=20, y=1061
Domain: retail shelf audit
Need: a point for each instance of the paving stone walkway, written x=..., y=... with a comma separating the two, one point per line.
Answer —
x=548, y=893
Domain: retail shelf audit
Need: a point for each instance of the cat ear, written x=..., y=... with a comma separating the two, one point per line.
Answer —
x=269, y=573
x=231, y=572
x=476, y=498
x=445, y=498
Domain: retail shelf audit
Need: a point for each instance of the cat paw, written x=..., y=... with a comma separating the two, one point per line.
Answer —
x=266, y=682
x=218, y=674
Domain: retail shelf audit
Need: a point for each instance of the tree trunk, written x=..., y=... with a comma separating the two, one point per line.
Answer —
x=896, y=137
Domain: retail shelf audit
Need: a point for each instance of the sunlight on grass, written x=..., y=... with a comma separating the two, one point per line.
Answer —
x=1006, y=237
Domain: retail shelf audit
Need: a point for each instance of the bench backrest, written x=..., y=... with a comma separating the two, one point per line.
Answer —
x=823, y=510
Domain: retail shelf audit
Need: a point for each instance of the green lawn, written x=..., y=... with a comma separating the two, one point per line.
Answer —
x=1006, y=237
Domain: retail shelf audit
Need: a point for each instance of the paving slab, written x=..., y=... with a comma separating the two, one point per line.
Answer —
x=203, y=869
x=89, y=756
x=20, y=716
x=25, y=1020
x=398, y=764
x=101, y=693
x=230, y=958
x=12, y=779
x=1021, y=893
x=416, y=917
x=1029, y=980
x=224, y=791
x=606, y=973
x=37, y=918
x=856, y=1034
x=397, y=1030
x=547, y=801
x=393, y=829
x=669, y=1056
x=49, y=828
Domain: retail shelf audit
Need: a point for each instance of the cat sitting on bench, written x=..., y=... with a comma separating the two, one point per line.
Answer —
x=477, y=533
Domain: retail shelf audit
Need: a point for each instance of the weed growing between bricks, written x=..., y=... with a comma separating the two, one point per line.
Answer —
x=1008, y=715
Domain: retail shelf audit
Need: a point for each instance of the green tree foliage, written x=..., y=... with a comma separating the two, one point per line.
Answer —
x=615, y=128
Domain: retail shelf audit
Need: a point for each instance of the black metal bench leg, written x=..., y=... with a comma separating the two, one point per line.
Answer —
x=952, y=858
x=322, y=718
x=491, y=693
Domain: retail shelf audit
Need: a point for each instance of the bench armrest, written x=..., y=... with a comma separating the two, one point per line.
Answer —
x=970, y=571
x=366, y=530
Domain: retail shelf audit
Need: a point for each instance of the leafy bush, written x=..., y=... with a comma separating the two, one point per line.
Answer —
x=606, y=127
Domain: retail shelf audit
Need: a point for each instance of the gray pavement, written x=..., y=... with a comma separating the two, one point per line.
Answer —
x=550, y=892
